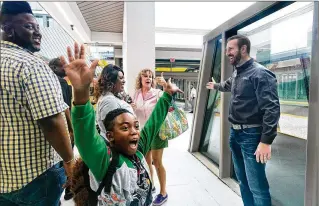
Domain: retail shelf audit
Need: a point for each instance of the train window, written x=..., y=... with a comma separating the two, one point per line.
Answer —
x=281, y=42
x=210, y=140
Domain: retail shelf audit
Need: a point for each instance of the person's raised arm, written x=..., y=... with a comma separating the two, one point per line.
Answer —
x=90, y=144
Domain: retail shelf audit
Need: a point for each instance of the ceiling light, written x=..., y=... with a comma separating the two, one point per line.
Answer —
x=63, y=12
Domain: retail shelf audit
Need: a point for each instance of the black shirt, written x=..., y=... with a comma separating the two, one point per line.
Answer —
x=254, y=98
x=66, y=91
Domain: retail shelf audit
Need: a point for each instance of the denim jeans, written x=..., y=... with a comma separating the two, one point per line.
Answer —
x=45, y=190
x=251, y=175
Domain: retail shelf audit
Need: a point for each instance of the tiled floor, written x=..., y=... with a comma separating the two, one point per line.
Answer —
x=190, y=183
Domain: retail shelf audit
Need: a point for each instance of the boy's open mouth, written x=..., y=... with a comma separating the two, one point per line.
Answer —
x=133, y=144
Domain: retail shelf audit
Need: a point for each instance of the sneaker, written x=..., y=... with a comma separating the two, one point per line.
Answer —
x=159, y=200
x=153, y=190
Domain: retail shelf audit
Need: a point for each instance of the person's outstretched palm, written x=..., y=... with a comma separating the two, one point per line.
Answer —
x=78, y=72
x=171, y=88
x=168, y=86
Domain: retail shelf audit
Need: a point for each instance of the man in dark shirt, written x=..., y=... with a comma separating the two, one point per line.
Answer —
x=56, y=66
x=254, y=114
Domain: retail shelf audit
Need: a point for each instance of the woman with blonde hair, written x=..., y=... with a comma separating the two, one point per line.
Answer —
x=144, y=101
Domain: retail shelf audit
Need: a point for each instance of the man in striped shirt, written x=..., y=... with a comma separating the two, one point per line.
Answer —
x=33, y=130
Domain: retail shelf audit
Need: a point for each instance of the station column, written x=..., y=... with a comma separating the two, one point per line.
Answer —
x=138, y=40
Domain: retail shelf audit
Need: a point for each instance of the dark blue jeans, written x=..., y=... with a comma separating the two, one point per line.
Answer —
x=251, y=175
x=45, y=190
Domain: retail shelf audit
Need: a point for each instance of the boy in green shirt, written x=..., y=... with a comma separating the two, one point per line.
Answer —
x=130, y=183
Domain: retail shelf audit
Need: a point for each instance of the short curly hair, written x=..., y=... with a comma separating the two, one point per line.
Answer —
x=138, y=82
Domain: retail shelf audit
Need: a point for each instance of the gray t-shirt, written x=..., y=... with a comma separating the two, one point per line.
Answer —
x=107, y=103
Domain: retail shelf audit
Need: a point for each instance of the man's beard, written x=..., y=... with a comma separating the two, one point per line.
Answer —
x=237, y=59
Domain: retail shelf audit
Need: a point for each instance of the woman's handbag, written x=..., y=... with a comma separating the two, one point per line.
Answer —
x=175, y=123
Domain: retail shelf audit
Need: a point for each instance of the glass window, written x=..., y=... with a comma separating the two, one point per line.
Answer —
x=282, y=43
x=49, y=21
x=40, y=20
x=210, y=140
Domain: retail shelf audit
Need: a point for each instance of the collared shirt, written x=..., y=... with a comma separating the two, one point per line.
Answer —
x=254, y=98
x=29, y=91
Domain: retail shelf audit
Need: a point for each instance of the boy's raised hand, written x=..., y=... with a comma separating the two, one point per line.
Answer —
x=78, y=72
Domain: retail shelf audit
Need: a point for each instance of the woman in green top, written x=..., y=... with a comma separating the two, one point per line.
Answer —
x=130, y=183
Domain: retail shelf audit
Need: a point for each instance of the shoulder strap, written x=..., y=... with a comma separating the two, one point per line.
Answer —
x=92, y=197
x=107, y=180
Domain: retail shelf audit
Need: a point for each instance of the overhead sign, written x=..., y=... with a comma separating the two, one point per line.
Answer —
x=102, y=52
x=172, y=60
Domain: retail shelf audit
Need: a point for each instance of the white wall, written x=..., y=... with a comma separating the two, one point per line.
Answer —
x=160, y=54
x=67, y=14
x=138, y=40
x=107, y=37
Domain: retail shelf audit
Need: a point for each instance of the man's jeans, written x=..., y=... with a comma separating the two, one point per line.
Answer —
x=251, y=175
x=45, y=190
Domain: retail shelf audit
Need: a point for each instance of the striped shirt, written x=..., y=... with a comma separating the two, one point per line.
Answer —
x=29, y=91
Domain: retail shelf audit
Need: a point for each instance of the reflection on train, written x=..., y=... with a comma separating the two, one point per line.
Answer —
x=292, y=73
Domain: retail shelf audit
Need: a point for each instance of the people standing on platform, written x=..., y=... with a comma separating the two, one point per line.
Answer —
x=144, y=101
x=119, y=164
x=33, y=133
x=110, y=83
x=254, y=114
x=192, y=98
x=56, y=66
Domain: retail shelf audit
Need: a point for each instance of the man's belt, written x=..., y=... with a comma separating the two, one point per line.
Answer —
x=245, y=126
